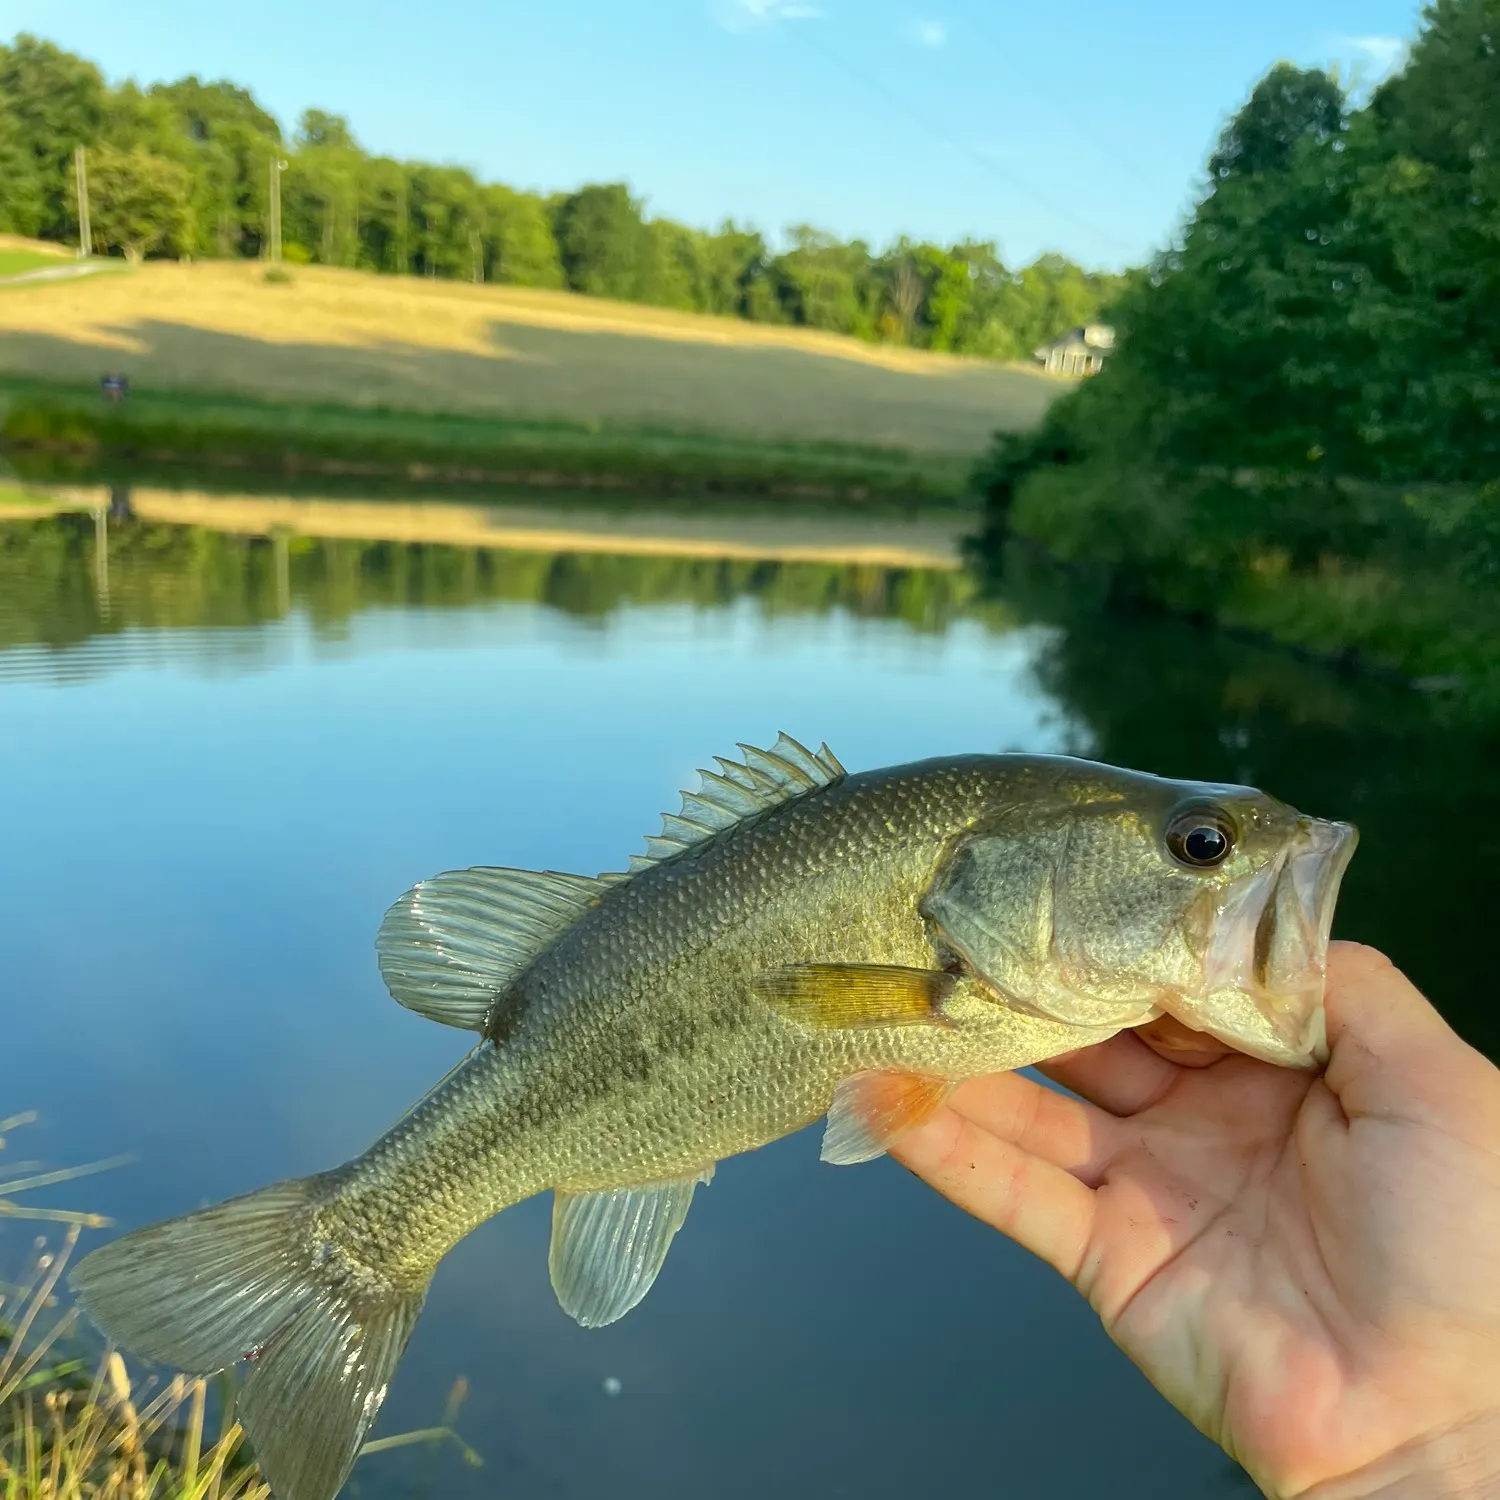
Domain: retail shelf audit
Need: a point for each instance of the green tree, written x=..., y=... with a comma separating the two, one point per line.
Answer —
x=601, y=240
x=1427, y=206
x=902, y=283
x=321, y=201
x=520, y=246
x=138, y=201
x=824, y=283
x=385, y=229
x=1237, y=349
x=731, y=272
x=985, y=326
x=54, y=102
x=669, y=272
x=321, y=192
x=226, y=141
x=317, y=127
x=926, y=294
x=23, y=199
x=1288, y=107
x=448, y=224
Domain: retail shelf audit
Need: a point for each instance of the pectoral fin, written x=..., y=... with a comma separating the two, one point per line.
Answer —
x=870, y=1111
x=840, y=995
x=608, y=1247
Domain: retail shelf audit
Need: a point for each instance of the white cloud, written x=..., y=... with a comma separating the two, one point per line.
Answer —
x=1386, y=52
x=742, y=15
x=929, y=33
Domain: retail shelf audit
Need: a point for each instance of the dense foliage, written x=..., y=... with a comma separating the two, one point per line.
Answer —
x=183, y=169
x=1300, y=431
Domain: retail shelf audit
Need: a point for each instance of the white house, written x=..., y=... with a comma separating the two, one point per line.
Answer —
x=1080, y=351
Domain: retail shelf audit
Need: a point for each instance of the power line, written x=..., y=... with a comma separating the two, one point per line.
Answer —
x=974, y=153
x=1007, y=58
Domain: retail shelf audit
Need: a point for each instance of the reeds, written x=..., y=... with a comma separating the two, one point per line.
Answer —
x=76, y=1425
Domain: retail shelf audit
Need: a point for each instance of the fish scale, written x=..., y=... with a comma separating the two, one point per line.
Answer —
x=796, y=942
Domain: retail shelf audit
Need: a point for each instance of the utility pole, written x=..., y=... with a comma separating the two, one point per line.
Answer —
x=403, y=264
x=81, y=177
x=282, y=564
x=278, y=166
x=101, y=559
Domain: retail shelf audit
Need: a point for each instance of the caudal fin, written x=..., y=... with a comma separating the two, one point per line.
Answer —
x=248, y=1279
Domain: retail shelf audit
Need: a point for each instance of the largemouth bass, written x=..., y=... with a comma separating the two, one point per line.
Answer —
x=797, y=942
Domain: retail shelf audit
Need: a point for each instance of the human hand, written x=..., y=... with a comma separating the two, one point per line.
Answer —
x=1308, y=1267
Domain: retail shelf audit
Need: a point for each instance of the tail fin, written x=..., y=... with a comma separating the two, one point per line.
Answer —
x=249, y=1279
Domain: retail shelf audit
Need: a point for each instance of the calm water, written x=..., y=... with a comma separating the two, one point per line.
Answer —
x=222, y=757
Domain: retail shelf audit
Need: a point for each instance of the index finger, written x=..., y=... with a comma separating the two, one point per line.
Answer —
x=1039, y=1205
x=1392, y=1054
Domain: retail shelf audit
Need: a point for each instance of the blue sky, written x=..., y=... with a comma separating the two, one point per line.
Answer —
x=1081, y=125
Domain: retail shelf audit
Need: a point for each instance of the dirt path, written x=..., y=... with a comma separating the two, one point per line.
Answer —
x=67, y=272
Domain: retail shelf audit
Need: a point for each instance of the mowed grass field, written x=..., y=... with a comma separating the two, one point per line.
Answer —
x=404, y=344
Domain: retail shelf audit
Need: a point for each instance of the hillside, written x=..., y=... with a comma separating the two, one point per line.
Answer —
x=418, y=345
x=18, y=255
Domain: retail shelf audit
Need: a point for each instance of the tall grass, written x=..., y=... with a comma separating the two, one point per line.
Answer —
x=75, y=1424
x=59, y=431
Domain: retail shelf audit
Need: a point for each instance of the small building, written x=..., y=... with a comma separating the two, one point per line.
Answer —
x=1080, y=351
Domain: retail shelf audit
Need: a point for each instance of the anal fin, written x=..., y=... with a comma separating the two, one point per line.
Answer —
x=870, y=1111
x=607, y=1247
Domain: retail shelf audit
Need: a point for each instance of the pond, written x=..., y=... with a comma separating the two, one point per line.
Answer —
x=224, y=754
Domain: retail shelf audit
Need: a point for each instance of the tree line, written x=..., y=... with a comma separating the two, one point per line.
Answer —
x=183, y=169
x=1300, y=430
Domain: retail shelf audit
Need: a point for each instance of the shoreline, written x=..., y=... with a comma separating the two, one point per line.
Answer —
x=929, y=543
x=61, y=433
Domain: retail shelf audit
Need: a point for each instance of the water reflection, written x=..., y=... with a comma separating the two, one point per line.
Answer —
x=82, y=591
x=223, y=754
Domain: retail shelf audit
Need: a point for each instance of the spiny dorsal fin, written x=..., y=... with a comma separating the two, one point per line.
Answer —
x=450, y=945
x=740, y=790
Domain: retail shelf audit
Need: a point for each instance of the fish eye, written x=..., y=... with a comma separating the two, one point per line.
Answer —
x=1200, y=837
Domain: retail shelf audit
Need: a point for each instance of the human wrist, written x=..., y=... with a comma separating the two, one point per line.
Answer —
x=1460, y=1463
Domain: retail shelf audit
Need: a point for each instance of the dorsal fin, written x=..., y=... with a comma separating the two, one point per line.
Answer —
x=740, y=790
x=450, y=945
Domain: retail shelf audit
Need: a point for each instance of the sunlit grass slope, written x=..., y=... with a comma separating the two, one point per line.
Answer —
x=18, y=254
x=407, y=344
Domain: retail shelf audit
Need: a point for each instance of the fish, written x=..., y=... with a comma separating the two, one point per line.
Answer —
x=797, y=942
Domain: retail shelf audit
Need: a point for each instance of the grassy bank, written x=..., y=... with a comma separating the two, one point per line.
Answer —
x=18, y=255
x=75, y=1424
x=1404, y=578
x=52, y=430
x=18, y=262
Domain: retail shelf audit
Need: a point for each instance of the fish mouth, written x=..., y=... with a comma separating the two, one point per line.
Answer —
x=1266, y=961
